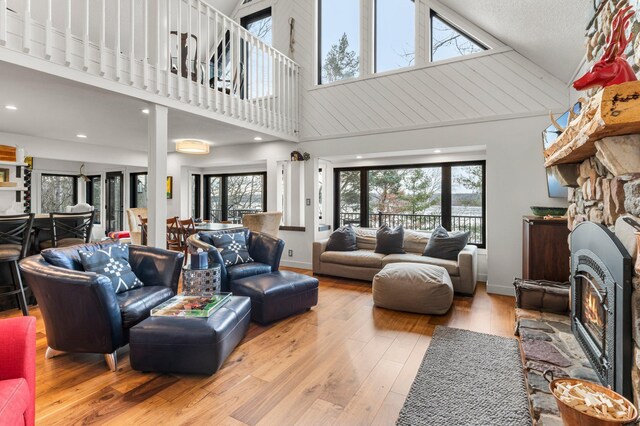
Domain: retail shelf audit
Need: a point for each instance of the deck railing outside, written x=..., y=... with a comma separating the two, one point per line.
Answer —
x=185, y=50
x=426, y=222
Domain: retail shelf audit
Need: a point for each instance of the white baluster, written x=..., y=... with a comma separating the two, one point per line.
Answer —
x=103, y=37
x=216, y=70
x=48, y=28
x=234, y=70
x=207, y=56
x=145, y=49
x=188, y=58
x=85, y=38
x=26, y=33
x=118, y=51
x=132, y=42
x=167, y=36
x=245, y=74
x=281, y=92
x=67, y=36
x=196, y=58
x=256, y=90
x=223, y=65
x=179, y=50
x=158, y=44
x=263, y=87
x=3, y=22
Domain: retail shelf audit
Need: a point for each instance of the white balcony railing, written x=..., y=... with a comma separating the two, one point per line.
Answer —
x=181, y=49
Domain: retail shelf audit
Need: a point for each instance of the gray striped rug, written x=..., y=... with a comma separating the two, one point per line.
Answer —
x=468, y=378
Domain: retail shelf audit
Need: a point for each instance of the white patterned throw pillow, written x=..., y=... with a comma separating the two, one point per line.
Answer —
x=232, y=248
x=113, y=263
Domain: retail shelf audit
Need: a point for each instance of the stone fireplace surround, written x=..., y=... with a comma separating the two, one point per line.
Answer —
x=604, y=189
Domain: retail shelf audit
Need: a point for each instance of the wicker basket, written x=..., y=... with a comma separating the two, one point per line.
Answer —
x=571, y=416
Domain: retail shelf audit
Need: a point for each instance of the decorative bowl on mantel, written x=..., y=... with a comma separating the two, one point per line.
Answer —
x=548, y=211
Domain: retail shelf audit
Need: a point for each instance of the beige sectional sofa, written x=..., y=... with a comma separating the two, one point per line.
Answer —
x=364, y=263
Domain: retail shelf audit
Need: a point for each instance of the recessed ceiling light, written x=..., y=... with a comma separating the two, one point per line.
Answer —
x=359, y=157
x=81, y=136
x=437, y=151
x=11, y=107
x=145, y=111
x=257, y=138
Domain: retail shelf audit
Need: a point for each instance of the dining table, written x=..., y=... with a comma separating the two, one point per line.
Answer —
x=215, y=226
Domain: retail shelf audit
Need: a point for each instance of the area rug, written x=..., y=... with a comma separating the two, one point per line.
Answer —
x=468, y=378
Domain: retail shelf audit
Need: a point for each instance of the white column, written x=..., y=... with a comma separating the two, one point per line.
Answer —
x=157, y=178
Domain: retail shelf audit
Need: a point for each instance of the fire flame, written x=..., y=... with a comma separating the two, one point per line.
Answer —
x=592, y=313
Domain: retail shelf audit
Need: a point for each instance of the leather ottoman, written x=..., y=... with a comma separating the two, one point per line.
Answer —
x=277, y=295
x=189, y=345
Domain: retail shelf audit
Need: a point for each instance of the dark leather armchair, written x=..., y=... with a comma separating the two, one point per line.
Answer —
x=82, y=312
x=265, y=251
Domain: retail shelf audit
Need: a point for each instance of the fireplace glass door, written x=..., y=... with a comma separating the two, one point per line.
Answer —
x=593, y=315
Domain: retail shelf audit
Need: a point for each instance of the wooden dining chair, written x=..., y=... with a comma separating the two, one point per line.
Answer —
x=187, y=228
x=174, y=235
x=143, y=229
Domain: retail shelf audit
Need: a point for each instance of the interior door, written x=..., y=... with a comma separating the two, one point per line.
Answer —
x=114, y=201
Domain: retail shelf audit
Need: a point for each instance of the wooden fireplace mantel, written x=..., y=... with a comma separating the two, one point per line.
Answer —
x=613, y=111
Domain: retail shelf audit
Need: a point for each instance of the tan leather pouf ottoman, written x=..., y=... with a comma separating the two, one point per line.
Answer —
x=413, y=287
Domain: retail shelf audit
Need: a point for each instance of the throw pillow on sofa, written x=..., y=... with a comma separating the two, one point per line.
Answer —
x=232, y=248
x=443, y=245
x=113, y=262
x=390, y=241
x=343, y=239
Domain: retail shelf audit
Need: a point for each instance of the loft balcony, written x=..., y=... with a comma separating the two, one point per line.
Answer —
x=183, y=54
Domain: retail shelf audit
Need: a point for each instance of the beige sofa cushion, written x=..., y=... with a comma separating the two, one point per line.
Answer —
x=413, y=287
x=363, y=258
x=366, y=238
x=415, y=241
x=450, y=265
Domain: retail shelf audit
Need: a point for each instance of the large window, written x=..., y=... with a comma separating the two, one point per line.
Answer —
x=447, y=41
x=229, y=197
x=395, y=34
x=57, y=192
x=94, y=195
x=138, y=192
x=339, y=40
x=260, y=25
x=418, y=197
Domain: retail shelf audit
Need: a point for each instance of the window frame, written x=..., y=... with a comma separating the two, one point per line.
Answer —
x=133, y=188
x=224, y=199
x=196, y=195
x=75, y=187
x=318, y=55
x=257, y=16
x=432, y=14
x=445, y=192
x=89, y=197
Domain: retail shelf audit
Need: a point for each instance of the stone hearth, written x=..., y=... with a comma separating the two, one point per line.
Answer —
x=547, y=343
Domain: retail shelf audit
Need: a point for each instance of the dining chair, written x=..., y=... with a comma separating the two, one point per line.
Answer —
x=69, y=229
x=15, y=239
x=174, y=235
x=187, y=228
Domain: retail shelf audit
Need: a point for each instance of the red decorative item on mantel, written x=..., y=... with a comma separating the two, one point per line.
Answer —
x=613, y=67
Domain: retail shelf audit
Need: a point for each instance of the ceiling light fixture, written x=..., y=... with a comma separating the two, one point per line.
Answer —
x=81, y=136
x=145, y=111
x=11, y=107
x=191, y=146
x=359, y=157
x=257, y=138
x=437, y=151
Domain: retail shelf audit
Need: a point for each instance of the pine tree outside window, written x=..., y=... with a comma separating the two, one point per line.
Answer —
x=339, y=40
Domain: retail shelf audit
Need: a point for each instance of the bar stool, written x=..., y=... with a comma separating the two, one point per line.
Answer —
x=15, y=238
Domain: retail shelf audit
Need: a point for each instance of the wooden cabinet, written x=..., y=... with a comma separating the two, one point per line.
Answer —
x=545, y=249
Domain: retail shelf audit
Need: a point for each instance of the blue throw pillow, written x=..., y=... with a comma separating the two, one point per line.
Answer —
x=232, y=248
x=113, y=263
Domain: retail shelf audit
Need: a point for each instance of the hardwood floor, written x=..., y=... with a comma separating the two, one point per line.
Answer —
x=344, y=362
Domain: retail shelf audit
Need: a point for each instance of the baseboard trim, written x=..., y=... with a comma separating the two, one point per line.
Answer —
x=482, y=277
x=296, y=264
x=500, y=289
